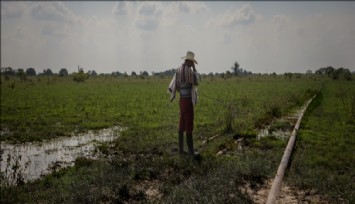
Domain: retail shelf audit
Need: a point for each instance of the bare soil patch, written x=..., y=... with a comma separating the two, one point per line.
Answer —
x=287, y=194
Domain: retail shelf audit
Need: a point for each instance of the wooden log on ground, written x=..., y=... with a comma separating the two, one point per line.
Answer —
x=208, y=140
x=275, y=188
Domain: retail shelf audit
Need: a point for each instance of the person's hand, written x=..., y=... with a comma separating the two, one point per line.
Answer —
x=172, y=97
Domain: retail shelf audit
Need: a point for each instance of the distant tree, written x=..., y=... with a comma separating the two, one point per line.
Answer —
x=63, y=72
x=170, y=72
x=342, y=73
x=21, y=74
x=133, y=73
x=8, y=71
x=145, y=73
x=297, y=75
x=30, y=72
x=210, y=74
x=116, y=74
x=235, y=68
x=47, y=72
x=335, y=73
x=228, y=74
x=81, y=76
x=347, y=75
x=326, y=70
x=223, y=76
x=309, y=72
x=329, y=71
x=288, y=75
x=93, y=73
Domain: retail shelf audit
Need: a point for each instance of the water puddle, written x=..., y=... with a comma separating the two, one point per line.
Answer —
x=29, y=161
x=281, y=128
x=280, y=134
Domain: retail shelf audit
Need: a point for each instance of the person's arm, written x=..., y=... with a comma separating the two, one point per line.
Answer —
x=195, y=74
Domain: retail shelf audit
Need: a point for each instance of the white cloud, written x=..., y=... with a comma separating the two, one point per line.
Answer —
x=244, y=15
x=145, y=16
x=174, y=12
x=54, y=11
x=189, y=7
x=148, y=9
x=13, y=9
x=148, y=23
x=280, y=21
x=54, y=31
x=149, y=15
x=124, y=8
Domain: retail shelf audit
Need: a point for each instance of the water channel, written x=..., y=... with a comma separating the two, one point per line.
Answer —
x=30, y=161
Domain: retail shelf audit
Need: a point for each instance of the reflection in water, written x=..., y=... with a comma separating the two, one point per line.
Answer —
x=30, y=161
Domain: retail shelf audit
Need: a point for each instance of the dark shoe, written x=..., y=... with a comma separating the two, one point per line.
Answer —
x=197, y=157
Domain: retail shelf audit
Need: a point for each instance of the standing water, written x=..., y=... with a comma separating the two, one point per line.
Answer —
x=30, y=161
x=283, y=131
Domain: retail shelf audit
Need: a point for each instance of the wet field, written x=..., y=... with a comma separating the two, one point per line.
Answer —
x=29, y=161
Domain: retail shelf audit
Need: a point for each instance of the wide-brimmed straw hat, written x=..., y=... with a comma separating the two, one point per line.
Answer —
x=190, y=56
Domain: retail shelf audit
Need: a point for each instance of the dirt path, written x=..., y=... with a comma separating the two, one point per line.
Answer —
x=288, y=194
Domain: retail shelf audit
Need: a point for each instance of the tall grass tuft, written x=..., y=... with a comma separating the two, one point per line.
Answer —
x=229, y=116
x=353, y=106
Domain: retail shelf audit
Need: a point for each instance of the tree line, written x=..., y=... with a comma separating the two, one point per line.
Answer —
x=331, y=72
x=9, y=71
x=30, y=72
x=235, y=70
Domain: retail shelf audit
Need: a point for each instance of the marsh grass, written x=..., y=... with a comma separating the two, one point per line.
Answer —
x=144, y=158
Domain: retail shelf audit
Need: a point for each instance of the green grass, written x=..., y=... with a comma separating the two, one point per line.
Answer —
x=324, y=158
x=38, y=110
x=45, y=108
x=145, y=154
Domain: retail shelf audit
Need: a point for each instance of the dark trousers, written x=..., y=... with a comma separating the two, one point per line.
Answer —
x=186, y=116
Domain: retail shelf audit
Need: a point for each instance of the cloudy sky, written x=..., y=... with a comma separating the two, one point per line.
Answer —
x=264, y=37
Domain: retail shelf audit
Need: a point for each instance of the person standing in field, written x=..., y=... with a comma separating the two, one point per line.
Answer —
x=185, y=81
